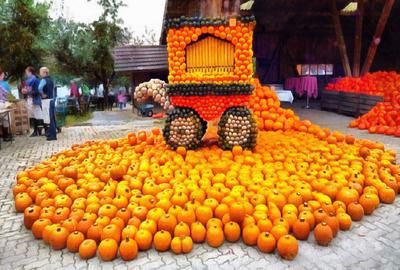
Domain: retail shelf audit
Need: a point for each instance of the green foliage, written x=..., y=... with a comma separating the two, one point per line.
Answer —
x=85, y=50
x=74, y=120
x=21, y=22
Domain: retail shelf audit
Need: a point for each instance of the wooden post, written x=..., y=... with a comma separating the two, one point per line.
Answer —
x=358, y=38
x=377, y=37
x=340, y=39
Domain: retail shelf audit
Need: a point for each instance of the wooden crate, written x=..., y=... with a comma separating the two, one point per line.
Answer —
x=350, y=104
x=20, y=118
x=330, y=100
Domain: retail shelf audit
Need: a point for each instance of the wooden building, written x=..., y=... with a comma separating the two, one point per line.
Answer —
x=291, y=33
x=141, y=63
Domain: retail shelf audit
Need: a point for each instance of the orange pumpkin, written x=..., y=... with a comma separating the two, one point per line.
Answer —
x=323, y=234
x=144, y=239
x=58, y=238
x=162, y=240
x=288, y=247
x=181, y=245
x=232, y=231
x=87, y=249
x=266, y=242
x=215, y=236
x=108, y=249
x=356, y=211
x=128, y=249
x=198, y=232
x=74, y=240
x=38, y=227
x=250, y=234
x=301, y=229
x=31, y=214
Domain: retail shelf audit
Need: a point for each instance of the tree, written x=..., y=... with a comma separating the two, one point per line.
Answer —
x=21, y=22
x=85, y=50
x=148, y=38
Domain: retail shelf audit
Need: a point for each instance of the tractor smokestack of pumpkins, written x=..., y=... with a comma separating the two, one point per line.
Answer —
x=210, y=76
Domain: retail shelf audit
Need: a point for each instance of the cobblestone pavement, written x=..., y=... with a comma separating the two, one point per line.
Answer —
x=373, y=243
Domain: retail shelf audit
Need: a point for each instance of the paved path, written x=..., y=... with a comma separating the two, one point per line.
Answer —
x=373, y=243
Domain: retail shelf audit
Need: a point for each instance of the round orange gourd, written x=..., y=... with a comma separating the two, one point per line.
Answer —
x=87, y=249
x=108, y=249
x=250, y=234
x=128, y=249
x=323, y=234
x=266, y=242
x=74, y=240
x=198, y=232
x=215, y=236
x=288, y=247
x=301, y=229
x=162, y=240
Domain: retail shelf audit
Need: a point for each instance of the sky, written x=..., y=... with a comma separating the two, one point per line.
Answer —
x=137, y=14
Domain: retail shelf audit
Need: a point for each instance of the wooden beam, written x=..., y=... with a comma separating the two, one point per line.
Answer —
x=377, y=37
x=340, y=39
x=358, y=38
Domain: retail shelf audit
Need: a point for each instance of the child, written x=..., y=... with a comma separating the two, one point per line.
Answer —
x=121, y=100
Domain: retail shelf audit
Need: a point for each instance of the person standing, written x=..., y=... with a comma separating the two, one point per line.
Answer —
x=32, y=90
x=47, y=88
x=74, y=94
x=4, y=92
x=121, y=100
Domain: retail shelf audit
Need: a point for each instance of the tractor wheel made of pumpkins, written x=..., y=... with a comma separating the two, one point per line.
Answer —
x=237, y=127
x=184, y=127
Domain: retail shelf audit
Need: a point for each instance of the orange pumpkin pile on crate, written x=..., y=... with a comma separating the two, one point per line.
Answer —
x=384, y=117
x=124, y=196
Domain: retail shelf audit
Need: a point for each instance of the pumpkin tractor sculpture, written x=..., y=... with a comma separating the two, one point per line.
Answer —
x=210, y=74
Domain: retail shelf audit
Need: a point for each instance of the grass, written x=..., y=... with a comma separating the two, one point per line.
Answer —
x=74, y=120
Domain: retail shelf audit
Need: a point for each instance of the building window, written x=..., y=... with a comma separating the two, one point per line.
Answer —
x=314, y=69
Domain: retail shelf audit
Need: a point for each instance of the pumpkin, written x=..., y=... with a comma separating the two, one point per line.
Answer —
x=143, y=239
x=367, y=202
x=162, y=240
x=387, y=195
x=264, y=224
x=198, y=232
x=323, y=234
x=129, y=232
x=279, y=230
x=266, y=242
x=203, y=214
x=237, y=212
x=287, y=247
x=87, y=249
x=301, y=229
x=250, y=234
x=215, y=236
x=111, y=231
x=181, y=244
x=38, y=227
x=94, y=232
x=58, y=238
x=344, y=221
x=22, y=201
x=48, y=232
x=332, y=222
x=108, y=249
x=128, y=249
x=182, y=229
x=232, y=231
x=74, y=240
x=31, y=214
x=356, y=211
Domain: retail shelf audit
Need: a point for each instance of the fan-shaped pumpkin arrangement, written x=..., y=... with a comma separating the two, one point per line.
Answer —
x=120, y=197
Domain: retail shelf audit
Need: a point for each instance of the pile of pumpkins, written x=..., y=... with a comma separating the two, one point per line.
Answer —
x=119, y=197
x=155, y=89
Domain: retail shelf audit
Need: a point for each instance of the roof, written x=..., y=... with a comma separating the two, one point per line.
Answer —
x=140, y=58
